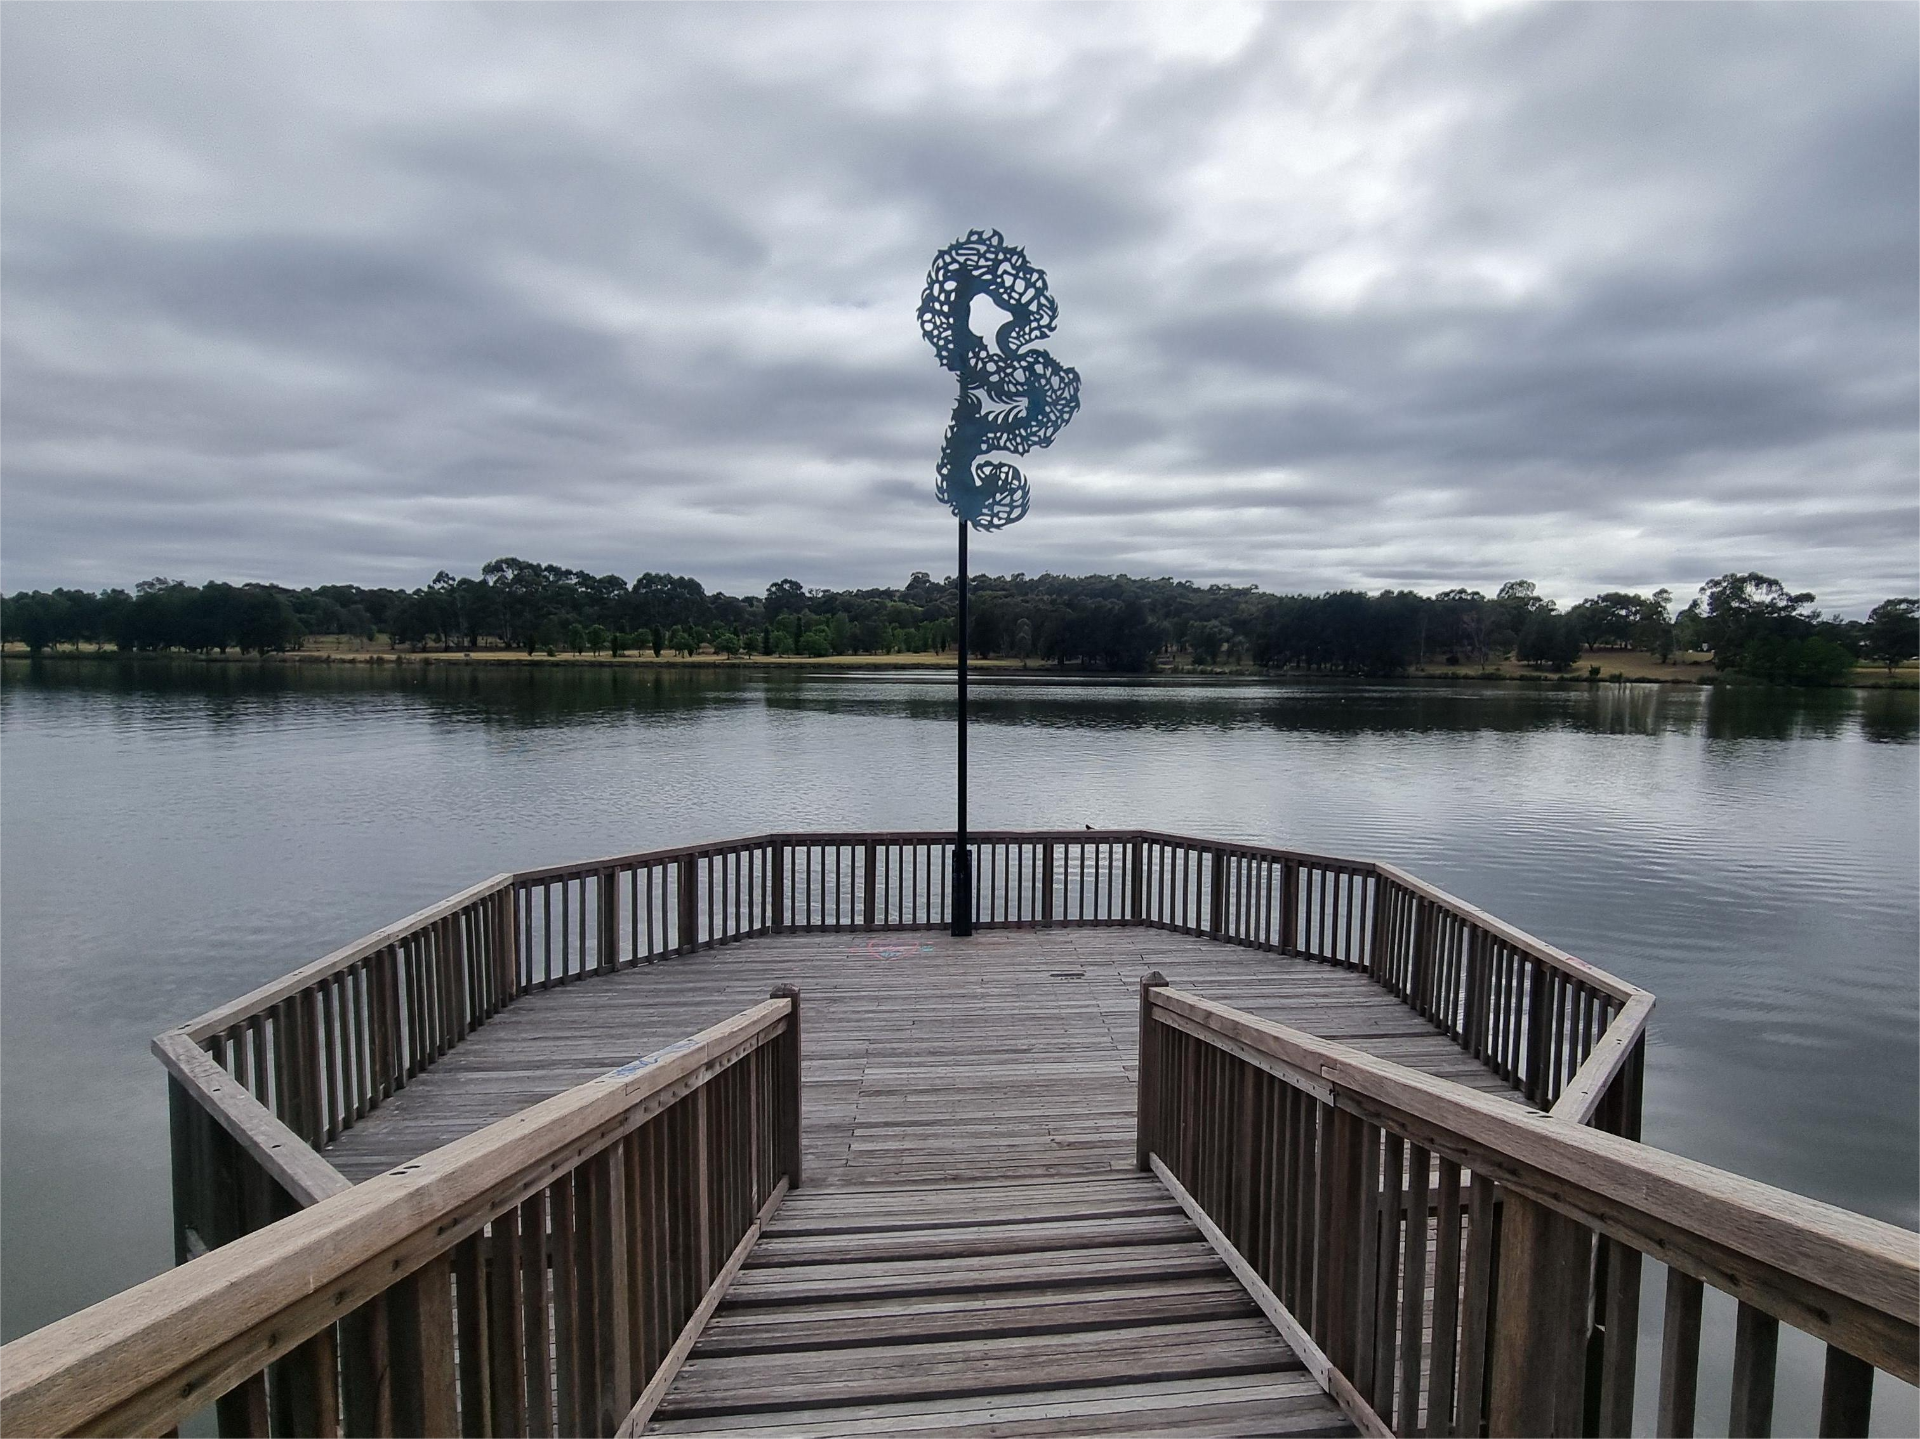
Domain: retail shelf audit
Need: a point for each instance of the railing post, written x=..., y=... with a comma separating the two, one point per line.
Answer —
x=607, y=948
x=1539, y=1338
x=1146, y=1109
x=788, y=1143
x=1537, y=1020
x=1385, y=897
x=180, y=1117
x=1217, y=900
x=1046, y=881
x=872, y=873
x=777, y=858
x=1136, y=879
x=1289, y=906
x=689, y=904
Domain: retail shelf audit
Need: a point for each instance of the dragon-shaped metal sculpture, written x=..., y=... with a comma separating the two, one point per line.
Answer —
x=1012, y=399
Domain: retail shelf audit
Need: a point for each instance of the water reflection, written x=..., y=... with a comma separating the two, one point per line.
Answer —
x=543, y=697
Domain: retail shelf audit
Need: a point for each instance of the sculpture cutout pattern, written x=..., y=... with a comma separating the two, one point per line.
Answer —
x=1012, y=399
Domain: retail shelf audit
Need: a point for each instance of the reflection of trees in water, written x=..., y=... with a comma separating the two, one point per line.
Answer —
x=524, y=696
x=1890, y=716
x=1770, y=712
x=538, y=697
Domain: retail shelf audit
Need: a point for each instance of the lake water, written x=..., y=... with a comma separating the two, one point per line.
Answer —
x=172, y=836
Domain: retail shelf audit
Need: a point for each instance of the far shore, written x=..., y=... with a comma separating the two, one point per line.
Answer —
x=1595, y=667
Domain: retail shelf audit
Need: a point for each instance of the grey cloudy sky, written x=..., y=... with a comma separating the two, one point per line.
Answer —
x=1604, y=295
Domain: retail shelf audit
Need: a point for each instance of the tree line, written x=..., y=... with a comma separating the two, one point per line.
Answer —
x=1751, y=623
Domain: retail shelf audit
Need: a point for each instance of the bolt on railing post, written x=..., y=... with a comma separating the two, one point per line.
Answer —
x=1147, y=1085
x=789, y=1118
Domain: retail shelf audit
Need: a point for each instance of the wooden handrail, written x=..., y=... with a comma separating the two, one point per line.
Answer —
x=306, y=1176
x=267, y=995
x=1581, y=1099
x=1518, y=938
x=1581, y=1207
x=143, y=1360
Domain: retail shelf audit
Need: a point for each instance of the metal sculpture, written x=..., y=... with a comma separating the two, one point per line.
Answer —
x=1012, y=400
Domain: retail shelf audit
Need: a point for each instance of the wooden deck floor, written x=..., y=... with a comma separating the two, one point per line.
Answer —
x=1062, y=1306
x=1009, y=1055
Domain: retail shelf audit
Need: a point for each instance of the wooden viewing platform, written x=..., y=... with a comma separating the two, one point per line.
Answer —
x=1190, y=1137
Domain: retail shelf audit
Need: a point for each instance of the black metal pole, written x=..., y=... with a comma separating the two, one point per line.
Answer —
x=962, y=853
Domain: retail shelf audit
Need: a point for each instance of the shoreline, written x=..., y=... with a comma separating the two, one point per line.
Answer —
x=1690, y=675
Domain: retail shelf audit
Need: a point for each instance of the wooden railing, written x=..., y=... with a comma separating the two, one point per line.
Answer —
x=545, y=1275
x=259, y=1086
x=1451, y=1263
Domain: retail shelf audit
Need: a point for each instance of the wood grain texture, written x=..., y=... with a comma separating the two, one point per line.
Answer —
x=1034, y=1331
x=926, y=1058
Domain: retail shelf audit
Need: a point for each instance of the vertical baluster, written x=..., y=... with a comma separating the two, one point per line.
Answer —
x=1413, y=1289
x=1846, y=1395
x=1476, y=1293
x=1756, y=1343
x=1386, y=1294
x=420, y=1329
x=566, y=1308
x=1446, y=1303
x=474, y=1343
x=506, y=1353
x=1620, y=1341
x=537, y=1360
x=1679, y=1355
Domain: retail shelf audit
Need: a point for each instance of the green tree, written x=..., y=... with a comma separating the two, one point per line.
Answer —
x=577, y=637
x=597, y=638
x=1206, y=640
x=1549, y=639
x=1893, y=631
x=1739, y=610
x=264, y=621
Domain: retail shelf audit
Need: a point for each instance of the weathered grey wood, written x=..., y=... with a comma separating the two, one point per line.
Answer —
x=134, y=1363
x=877, y=1337
x=1839, y=1276
x=1336, y=1384
x=1679, y=1356
x=1537, y=1337
x=1846, y=1395
x=669, y=1366
x=1025, y=1071
x=1756, y=1341
x=305, y=1175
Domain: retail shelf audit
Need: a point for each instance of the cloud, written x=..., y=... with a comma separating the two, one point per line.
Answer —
x=1604, y=295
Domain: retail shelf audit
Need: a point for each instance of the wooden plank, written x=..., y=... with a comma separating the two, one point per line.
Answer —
x=663, y=1377
x=1329, y=1378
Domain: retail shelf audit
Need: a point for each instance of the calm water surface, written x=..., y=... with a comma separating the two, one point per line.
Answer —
x=171, y=837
